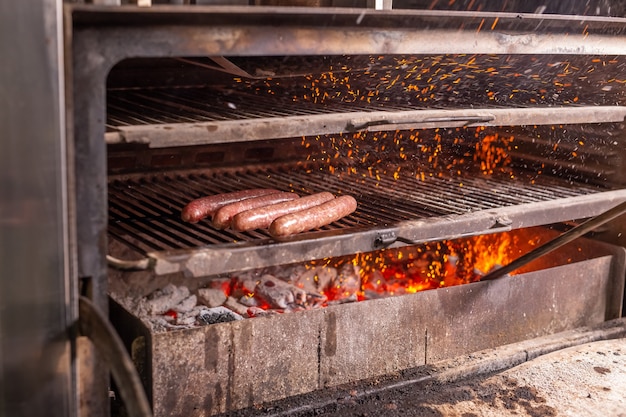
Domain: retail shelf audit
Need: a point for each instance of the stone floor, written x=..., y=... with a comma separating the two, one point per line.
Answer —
x=575, y=373
x=586, y=380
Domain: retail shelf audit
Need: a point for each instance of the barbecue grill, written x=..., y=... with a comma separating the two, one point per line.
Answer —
x=445, y=126
x=391, y=108
x=364, y=105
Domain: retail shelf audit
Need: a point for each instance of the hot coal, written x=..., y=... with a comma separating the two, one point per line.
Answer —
x=166, y=299
x=316, y=284
x=218, y=315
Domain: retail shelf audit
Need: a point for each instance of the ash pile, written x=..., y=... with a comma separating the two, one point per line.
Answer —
x=249, y=294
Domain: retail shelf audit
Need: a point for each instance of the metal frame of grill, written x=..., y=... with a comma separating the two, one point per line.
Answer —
x=101, y=37
x=98, y=38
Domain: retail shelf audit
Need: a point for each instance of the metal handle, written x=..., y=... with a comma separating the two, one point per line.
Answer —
x=557, y=242
x=387, y=238
x=127, y=265
x=353, y=127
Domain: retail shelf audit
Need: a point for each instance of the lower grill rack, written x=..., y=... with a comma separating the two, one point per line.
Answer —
x=144, y=214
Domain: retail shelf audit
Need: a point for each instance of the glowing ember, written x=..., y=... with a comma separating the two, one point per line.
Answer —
x=378, y=274
x=491, y=153
x=290, y=288
x=448, y=80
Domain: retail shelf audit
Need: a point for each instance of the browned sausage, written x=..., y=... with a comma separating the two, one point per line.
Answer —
x=262, y=217
x=203, y=207
x=314, y=217
x=224, y=216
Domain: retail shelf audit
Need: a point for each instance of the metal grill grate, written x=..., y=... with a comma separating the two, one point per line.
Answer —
x=172, y=117
x=145, y=211
x=195, y=105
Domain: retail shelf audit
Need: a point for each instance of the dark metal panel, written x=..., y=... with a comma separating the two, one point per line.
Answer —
x=340, y=17
x=36, y=375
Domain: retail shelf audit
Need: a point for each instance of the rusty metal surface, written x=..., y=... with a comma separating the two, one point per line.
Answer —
x=367, y=339
x=286, y=126
x=349, y=31
x=212, y=369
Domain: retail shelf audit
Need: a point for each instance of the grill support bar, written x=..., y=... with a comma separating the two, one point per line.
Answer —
x=227, y=131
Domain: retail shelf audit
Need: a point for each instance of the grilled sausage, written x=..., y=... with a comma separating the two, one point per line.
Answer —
x=314, y=217
x=262, y=217
x=203, y=207
x=224, y=216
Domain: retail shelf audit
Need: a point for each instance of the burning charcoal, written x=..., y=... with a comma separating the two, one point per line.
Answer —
x=211, y=297
x=375, y=283
x=292, y=308
x=254, y=275
x=420, y=266
x=186, y=305
x=278, y=293
x=243, y=288
x=245, y=283
x=170, y=316
x=285, y=272
x=314, y=300
x=237, y=307
x=158, y=323
x=166, y=298
x=259, y=312
x=223, y=284
x=189, y=318
x=218, y=315
x=316, y=279
x=348, y=281
x=296, y=272
x=249, y=301
x=186, y=320
x=451, y=270
x=350, y=299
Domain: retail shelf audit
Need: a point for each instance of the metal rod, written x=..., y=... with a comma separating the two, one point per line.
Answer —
x=130, y=265
x=93, y=324
x=557, y=242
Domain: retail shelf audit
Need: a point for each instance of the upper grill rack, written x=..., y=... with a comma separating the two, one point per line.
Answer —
x=144, y=214
x=194, y=116
x=389, y=93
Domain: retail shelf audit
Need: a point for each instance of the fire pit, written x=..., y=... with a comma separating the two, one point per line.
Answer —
x=196, y=368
